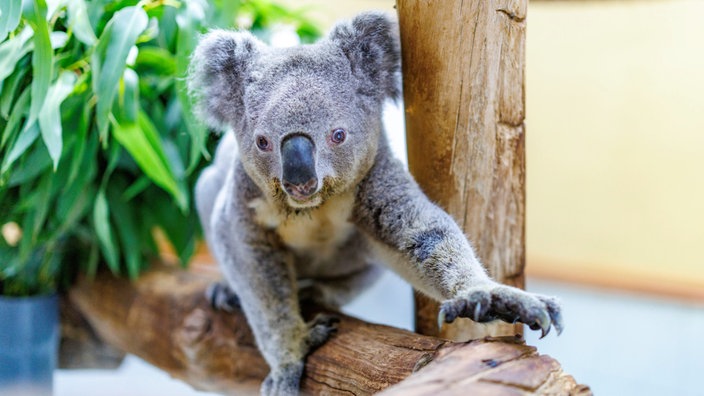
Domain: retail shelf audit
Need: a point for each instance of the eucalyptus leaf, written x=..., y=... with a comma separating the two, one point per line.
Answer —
x=128, y=231
x=120, y=84
x=81, y=129
x=9, y=16
x=156, y=59
x=50, y=117
x=188, y=24
x=9, y=88
x=110, y=56
x=20, y=108
x=26, y=138
x=137, y=187
x=41, y=206
x=58, y=39
x=130, y=95
x=42, y=59
x=101, y=224
x=142, y=142
x=12, y=50
x=32, y=165
x=79, y=22
x=53, y=6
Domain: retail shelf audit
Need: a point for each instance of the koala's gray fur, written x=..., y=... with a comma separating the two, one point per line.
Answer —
x=360, y=209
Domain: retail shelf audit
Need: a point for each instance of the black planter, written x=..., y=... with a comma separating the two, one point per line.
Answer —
x=29, y=336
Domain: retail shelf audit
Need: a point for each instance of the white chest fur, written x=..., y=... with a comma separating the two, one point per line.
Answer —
x=319, y=231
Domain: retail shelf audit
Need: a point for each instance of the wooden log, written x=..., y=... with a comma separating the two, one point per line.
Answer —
x=80, y=346
x=463, y=67
x=164, y=318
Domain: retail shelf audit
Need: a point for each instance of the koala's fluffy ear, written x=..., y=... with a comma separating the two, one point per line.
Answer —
x=371, y=43
x=218, y=73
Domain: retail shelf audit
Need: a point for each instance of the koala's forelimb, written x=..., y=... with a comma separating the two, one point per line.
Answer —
x=421, y=242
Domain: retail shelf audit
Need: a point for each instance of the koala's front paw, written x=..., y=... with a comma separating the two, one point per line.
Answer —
x=221, y=296
x=283, y=381
x=320, y=329
x=504, y=303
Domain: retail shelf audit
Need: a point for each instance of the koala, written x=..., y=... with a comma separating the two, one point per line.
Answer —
x=305, y=199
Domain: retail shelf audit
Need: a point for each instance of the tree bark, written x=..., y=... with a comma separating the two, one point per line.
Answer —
x=164, y=318
x=463, y=66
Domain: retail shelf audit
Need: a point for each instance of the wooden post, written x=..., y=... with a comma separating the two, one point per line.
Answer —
x=463, y=66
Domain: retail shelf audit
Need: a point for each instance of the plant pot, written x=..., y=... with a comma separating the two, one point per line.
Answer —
x=29, y=337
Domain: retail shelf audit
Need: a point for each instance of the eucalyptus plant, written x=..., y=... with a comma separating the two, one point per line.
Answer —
x=99, y=149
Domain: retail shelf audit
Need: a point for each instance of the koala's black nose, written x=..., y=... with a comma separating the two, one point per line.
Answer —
x=297, y=155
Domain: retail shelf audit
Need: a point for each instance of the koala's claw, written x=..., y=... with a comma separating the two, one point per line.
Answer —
x=441, y=318
x=320, y=329
x=555, y=313
x=507, y=304
x=222, y=297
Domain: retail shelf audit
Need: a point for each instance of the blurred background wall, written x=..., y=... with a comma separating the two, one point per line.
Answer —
x=615, y=99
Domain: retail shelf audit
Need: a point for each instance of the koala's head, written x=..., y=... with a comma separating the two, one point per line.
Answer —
x=307, y=119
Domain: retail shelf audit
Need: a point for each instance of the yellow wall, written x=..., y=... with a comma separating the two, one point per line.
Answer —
x=615, y=121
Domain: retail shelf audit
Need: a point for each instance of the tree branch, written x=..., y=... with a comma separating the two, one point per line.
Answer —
x=164, y=318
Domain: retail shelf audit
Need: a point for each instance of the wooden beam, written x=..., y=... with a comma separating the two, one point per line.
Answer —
x=164, y=318
x=463, y=66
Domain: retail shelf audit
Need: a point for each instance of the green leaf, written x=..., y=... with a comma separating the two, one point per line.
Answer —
x=179, y=229
x=12, y=50
x=74, y=202
x=42, y=59
x=26, y=243
x=77, y=194
x=126, y=225
x=130, y=95
x=156, y=60
x=34, y=163
x=20, y=108
x=50, y=116
x=41, y=205
x=81, y=130
x=79, y=22
x=188, y=23
x=26, y=138
x=137, y=187
x=9, y=16
x=52, y=7
x=108, y=59
x=101, y=223
x=58, y=39
x=9, y=88
x=142, y=141
x=91, y=266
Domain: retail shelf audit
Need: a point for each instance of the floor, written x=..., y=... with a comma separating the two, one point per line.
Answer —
x=617, y=343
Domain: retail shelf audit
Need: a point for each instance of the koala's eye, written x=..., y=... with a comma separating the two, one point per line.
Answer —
x=263, y=143
x=338, y=135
